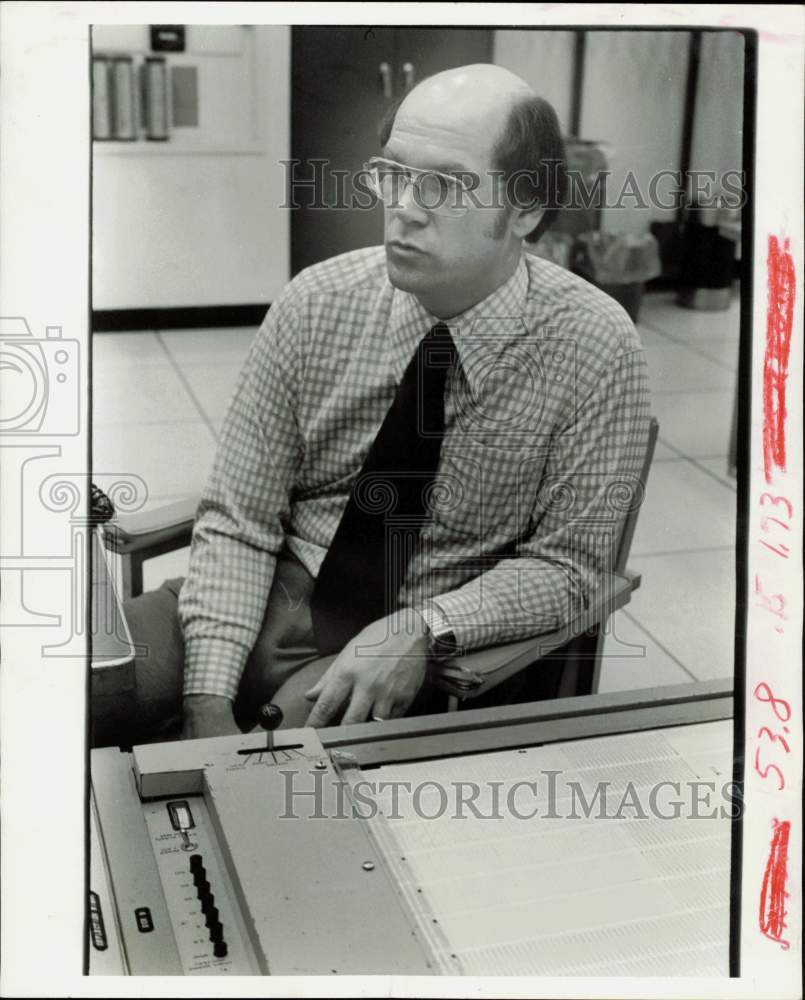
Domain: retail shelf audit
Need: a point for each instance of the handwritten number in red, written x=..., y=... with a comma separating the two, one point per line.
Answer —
x=774, y=702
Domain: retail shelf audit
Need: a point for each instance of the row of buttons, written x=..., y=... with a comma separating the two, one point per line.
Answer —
x=208, y=907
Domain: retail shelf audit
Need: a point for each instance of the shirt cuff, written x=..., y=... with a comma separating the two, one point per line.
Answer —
x=213, y=666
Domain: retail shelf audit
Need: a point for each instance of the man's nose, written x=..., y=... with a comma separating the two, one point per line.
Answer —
x=408, y=205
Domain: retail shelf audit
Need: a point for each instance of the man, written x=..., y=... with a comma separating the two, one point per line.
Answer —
x=527, y=390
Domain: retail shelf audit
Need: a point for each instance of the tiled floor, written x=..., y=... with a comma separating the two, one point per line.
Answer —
x=159, y=399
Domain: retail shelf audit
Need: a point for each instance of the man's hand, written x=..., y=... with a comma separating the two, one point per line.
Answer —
x=378, y=674
x=208, y=715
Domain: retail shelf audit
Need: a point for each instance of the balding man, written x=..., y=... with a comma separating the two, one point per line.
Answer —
x=421, y=451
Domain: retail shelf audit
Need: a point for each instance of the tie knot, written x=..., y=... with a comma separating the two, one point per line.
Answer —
x=437, y=347
x=440, y=331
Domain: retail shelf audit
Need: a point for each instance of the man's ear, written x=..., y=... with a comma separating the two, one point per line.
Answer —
x=526, y=220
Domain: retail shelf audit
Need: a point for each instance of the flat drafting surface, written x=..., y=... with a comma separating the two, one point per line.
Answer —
x=585, y=896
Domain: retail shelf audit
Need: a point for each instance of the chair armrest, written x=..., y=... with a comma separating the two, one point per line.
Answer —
x=482, y=669
x=165, y=527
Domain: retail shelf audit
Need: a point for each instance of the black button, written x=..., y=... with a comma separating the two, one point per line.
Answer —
x=217, y=931
x=145, y=921
x=211, y=916
x=220, y=949
x=196, y=862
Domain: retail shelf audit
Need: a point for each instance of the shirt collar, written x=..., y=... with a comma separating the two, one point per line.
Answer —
x=480, y=332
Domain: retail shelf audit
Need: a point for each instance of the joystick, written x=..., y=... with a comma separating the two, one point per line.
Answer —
x=270, y=719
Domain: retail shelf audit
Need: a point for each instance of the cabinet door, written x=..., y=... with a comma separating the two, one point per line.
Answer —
x=431, y=50
x=338, y=98
x=337, y=102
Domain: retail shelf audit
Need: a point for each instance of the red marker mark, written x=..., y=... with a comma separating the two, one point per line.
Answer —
x=772, y=893
x=779, y=324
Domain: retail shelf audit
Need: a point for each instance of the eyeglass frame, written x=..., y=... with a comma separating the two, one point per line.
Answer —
x=411, y=176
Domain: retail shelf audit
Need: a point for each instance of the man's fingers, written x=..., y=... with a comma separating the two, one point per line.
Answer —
x=330, y=700
x=358, y=710
x=384, y=709
x=318, y=687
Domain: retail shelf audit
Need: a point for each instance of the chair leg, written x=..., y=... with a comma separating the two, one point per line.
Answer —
x=582, y=666
x=598, y=657
x=131, y=575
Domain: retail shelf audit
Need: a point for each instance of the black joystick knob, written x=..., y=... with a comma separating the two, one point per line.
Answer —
x=270, y=719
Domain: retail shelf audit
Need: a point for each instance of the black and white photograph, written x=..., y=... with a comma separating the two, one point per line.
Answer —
x=429, y=519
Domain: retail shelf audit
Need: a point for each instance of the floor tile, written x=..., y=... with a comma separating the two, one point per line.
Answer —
x=684, y=508
x=174, y=459
x=659, y=310
x=723, y=352
x=127, y=348
x=687, y=604
x=662, y=452
x=212, y=386
x=718, y=467
x=633, y=660
x=140, y=393
x=193, y=347
x=674, y=367
x=695, y=423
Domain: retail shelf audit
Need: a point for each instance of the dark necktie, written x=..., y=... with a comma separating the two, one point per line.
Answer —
x=366, y=563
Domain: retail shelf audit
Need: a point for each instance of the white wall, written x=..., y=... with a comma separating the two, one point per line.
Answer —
x=544, y=59
x=718, y=118
x=633, y=97
x=198, y=228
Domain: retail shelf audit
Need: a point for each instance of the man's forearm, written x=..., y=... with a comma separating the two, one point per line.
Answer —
x=207, y=715
x=516, y=599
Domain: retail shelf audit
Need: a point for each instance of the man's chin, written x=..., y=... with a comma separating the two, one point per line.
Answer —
x=408, y=277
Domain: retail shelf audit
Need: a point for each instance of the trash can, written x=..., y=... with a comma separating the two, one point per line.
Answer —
x=708, y=258
x=619, y=264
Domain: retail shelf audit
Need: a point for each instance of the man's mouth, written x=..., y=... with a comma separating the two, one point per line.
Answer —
x=400, y=246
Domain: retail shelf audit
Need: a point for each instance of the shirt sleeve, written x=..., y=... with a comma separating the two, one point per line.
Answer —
x=591, y=480
x=239, y=528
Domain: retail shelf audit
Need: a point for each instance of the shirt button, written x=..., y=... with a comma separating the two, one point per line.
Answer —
x=558, y=357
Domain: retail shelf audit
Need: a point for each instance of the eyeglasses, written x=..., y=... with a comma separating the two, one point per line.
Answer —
x=433, y=191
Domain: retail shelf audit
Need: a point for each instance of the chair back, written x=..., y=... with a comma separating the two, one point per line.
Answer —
x=625, y=543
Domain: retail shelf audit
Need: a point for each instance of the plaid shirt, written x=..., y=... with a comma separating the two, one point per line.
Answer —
x=546, y=417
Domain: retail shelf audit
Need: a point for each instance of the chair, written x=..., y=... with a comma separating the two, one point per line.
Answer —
x=578, y=646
